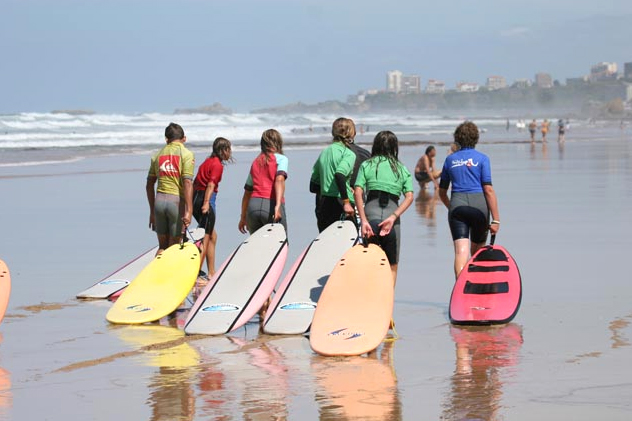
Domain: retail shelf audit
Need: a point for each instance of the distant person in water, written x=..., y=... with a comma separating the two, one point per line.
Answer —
x=507, y=125
x=544, y=129
x=561, y=130
x=205, y=187
x=425, y=169
x=171, y=204
x=331, y=176
x=263, y=201
x=472, y=198
x=383, y=179
x=532, y=128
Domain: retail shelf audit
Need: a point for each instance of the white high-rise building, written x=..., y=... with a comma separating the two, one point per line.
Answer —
x=394, y=81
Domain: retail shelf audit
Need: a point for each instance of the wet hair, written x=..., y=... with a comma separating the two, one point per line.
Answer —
x=343, y=130
x=220, y=145
x=466, y=135
x=386, y=147
x=429, y=149
x=271, y=141
x=174, y=132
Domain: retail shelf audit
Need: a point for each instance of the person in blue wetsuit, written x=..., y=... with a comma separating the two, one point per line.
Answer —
x=473, y=197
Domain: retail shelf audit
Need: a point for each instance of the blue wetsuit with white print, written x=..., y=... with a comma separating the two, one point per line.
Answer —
x=468, y=171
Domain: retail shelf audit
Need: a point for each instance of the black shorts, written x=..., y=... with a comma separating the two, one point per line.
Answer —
x=376, y=211
x=207, y=220
x=469, y=217
x=328, y=211
x=422, y=176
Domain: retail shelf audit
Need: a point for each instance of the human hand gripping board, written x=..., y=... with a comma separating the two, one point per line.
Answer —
x=160, y=287
x=242, y=285
x=488, y=290
x=356, y=306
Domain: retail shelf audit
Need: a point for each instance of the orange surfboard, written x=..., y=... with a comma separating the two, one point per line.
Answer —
x=356, y=306
x=5, y=288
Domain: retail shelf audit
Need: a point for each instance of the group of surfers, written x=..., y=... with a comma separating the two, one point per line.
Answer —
x=347, y=180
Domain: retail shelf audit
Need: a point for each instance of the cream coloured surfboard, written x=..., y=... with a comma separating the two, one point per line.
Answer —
x=242, y=285
x=292, y=308
x=160, y=288
x=356, y=306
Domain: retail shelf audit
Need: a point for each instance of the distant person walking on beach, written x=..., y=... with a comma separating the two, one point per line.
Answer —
x=263, y=201
x=205, y=187
x=425, y=169
x=532, y=128
x=561, y=129
x=544, y=129
x=171, y=204
x=472, y=198
x=331, y=175
x=384, y=179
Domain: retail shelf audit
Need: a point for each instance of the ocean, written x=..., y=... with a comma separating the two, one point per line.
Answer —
x=38, y=138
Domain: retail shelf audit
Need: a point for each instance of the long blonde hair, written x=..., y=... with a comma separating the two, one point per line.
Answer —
x=343, y=130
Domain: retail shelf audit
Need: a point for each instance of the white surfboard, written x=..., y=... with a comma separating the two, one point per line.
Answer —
x=242, y=285
x=122, y=277
x=292, y=308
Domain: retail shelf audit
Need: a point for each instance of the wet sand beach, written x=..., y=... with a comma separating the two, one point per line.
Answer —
x=565, y=211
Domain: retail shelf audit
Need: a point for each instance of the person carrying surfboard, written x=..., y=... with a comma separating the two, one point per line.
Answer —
x=384, y=179
x=473, y=197
x=331, y=174
x=205, y=188
x=171, y=204
x=263, y=201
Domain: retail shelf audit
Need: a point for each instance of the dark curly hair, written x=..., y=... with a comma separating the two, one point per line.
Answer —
x=466, y=135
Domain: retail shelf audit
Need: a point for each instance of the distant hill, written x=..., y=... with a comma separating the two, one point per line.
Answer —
x=216, y=108
x=73, y=112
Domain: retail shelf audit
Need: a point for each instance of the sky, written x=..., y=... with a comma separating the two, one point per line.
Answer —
x=133, y=56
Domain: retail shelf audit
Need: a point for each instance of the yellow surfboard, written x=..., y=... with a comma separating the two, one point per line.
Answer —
x=160, y=288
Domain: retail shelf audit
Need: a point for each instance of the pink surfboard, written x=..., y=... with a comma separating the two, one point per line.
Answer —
x=242, y=285
x=5, y=288
x=488, y=290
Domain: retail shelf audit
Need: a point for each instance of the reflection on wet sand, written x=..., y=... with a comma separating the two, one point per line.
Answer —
x=171, y=395
x=6, y=397
x=426, y=206
x=357, y=388
x=250, y=377
x=485, y=357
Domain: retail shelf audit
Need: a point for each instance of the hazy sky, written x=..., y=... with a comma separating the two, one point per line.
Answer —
x=157, y=55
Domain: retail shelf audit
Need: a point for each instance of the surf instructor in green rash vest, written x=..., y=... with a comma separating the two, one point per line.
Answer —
x=171, y=205
x=331, y=174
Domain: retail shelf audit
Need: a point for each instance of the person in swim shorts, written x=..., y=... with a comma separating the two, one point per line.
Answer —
x=263, y=201
x=385, y=180
x=205, y=187
x=473, y=197
x=532, y=127
x=544, y=129
x=331, y=175
x=425, y=168
x=171, y=204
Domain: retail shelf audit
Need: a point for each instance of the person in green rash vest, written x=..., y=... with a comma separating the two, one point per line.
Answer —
x=171, y=204
x=384, y=180
x=331, y=174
